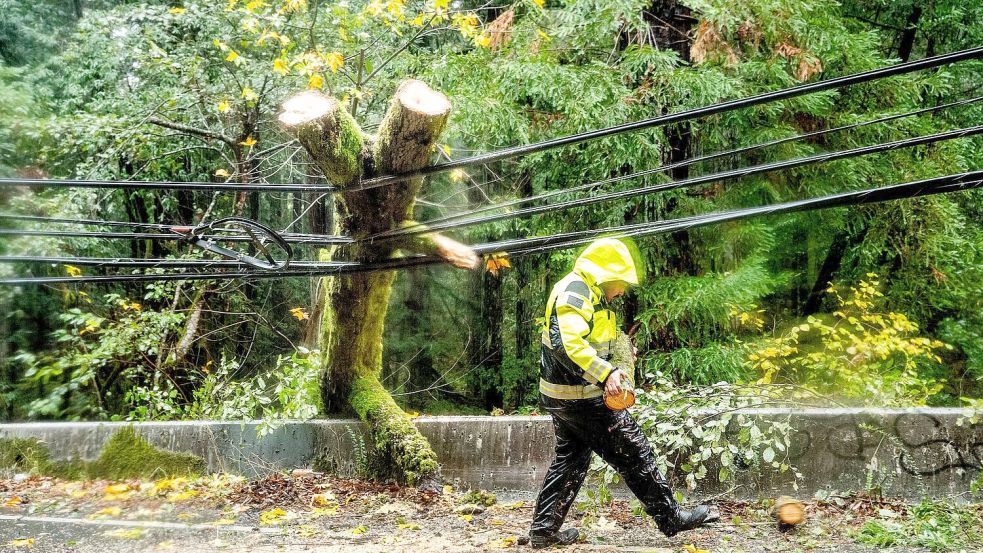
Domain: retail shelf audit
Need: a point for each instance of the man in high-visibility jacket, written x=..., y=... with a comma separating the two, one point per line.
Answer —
x=575, y=375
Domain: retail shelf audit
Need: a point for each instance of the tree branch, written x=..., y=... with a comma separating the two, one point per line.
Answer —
x=191, y=130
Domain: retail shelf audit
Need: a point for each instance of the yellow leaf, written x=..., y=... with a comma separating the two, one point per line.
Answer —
x=307, y=530
x=117, y=488
x=166, y=545
x=412, y=414
x=73, y=271
x=299, y=313
x=127, y=533
x=220, y=45
x=221, y=173
x=690, y=548
x=539, y=3
x=22, y=542
x=107, y=512
x=233, y=56
x=224, y=107
x=448, y=489
x=249, y=94
x=176, y=11
x=294, y=5
x=249, y=142
x=497, y=262
x=316, y=81
x=446, y=149
x=272, y=517
x=13, y=501
x=323, y=499
x=466, y=518
x=182, y=496
x=408, y=526
x=255, y=5
x=359, y=530
x=318, y=512
x=441, y=4
x=335, y=61
x=224, y=522
x=280, y=66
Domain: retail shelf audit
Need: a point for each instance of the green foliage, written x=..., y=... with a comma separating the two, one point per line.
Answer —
x=857, y=353
x=935, y=525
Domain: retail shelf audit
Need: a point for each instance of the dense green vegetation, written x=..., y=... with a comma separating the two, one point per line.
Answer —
x=189, y=91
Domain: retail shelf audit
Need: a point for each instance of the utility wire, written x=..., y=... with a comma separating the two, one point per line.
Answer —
x=132, y=262
x=527, y=246
x=493, y=207
x=526, y=149
x=682, y=163
x=301, y=238
x=290, y=238
x=321, y=240
x=516, y=151
x=703, y=179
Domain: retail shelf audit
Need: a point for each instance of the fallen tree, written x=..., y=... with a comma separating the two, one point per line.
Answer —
x=353, y=309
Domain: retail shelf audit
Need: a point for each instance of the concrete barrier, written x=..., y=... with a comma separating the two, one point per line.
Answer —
x=905, y=453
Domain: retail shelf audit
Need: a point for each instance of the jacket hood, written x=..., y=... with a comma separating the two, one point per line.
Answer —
x=607, y=260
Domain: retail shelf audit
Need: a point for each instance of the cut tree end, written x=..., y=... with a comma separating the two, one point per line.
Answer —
x=306, y=107
x=419, y=97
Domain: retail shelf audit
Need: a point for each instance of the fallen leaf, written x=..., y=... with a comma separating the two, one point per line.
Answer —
x=224, y=522
x=359, y=530
x=165, y=545
x=323, y=499
x=690, y=548
x=127, y=533
x=466, y=518
x=514, y=506
x=182, y=496
x=408, y=526
x=13, y=501
x=22, y=542
x=307, y=530
x=272, y=517
x=107, y=512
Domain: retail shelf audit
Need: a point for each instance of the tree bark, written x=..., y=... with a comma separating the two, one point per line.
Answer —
x=355, y=305
x=909, y=33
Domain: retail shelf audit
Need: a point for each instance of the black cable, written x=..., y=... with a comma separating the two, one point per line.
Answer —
x=856, y=78
x=321, y=240
x=290, y=238
x=520, y=247
x=164, y=185
x=703, y=179
x=515, y=151
x=683, y=163
x=132, y=262
x=926, y=187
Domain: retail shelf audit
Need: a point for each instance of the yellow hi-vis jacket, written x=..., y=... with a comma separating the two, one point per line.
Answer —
x=578, y=331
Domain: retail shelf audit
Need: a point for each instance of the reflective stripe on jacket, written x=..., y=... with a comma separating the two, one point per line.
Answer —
x=579, y=331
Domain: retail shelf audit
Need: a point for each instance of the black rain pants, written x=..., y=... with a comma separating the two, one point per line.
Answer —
x=584, y=426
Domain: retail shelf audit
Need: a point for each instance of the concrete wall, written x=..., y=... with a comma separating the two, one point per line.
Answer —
x=907, y=453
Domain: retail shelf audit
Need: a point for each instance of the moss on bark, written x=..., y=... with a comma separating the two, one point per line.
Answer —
x=354, y=308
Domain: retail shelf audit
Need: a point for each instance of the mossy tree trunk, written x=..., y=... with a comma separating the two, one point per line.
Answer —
x=354, y=308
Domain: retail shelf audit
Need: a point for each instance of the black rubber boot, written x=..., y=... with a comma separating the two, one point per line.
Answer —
x=687, y=520
x=564, y=537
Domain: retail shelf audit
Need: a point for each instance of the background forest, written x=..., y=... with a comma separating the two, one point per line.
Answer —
x=875, y=305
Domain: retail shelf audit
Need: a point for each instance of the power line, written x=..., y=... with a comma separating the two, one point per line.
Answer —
x=682, y=163
x=132, y=262
x=846, y=80
x=290, y=238
x=527, y=246
x=526, y=149
x=703, y=179
x=926, y=187
x=322, y=240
